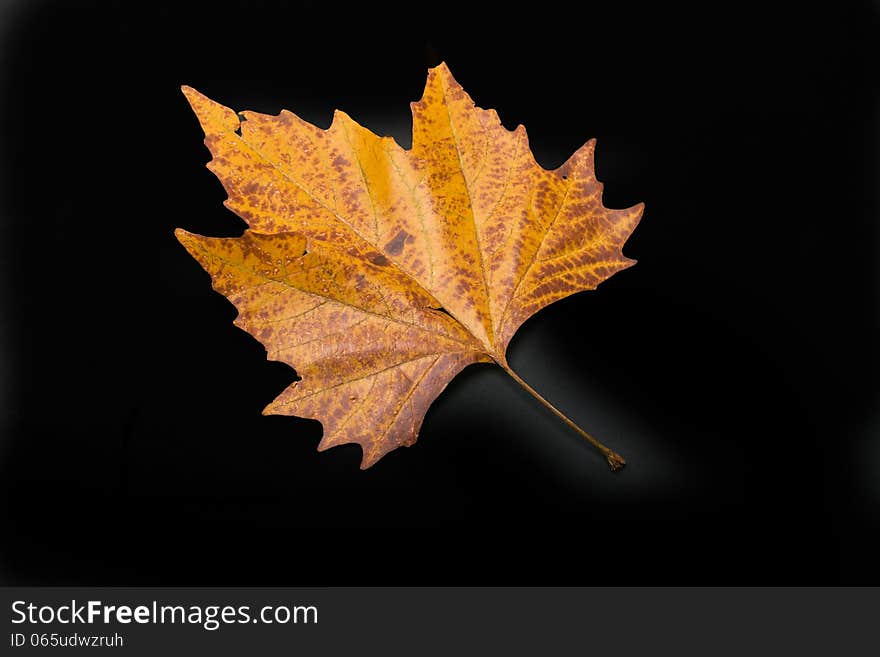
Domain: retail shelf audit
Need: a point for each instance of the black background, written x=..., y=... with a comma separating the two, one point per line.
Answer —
x=734, y=366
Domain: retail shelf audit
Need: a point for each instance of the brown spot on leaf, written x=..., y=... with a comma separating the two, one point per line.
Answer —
x=395, y=246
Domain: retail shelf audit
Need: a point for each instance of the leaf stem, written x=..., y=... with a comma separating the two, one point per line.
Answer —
x=614, y=459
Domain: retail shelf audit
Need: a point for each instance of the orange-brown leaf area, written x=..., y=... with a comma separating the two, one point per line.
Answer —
x=378, y=273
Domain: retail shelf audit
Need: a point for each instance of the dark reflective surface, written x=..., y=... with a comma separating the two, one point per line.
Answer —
x=734, y=366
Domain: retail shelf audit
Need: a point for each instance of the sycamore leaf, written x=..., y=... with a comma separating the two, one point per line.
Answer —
x=378, y=273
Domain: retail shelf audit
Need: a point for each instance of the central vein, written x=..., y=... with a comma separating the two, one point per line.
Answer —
x=490, y=332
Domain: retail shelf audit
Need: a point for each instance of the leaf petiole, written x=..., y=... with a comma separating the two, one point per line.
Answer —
x=615, y=460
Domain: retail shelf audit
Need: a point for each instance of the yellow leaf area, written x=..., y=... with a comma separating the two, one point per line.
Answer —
x=378, y=273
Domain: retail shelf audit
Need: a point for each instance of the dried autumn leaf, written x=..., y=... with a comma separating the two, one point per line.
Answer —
x=379, y=273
